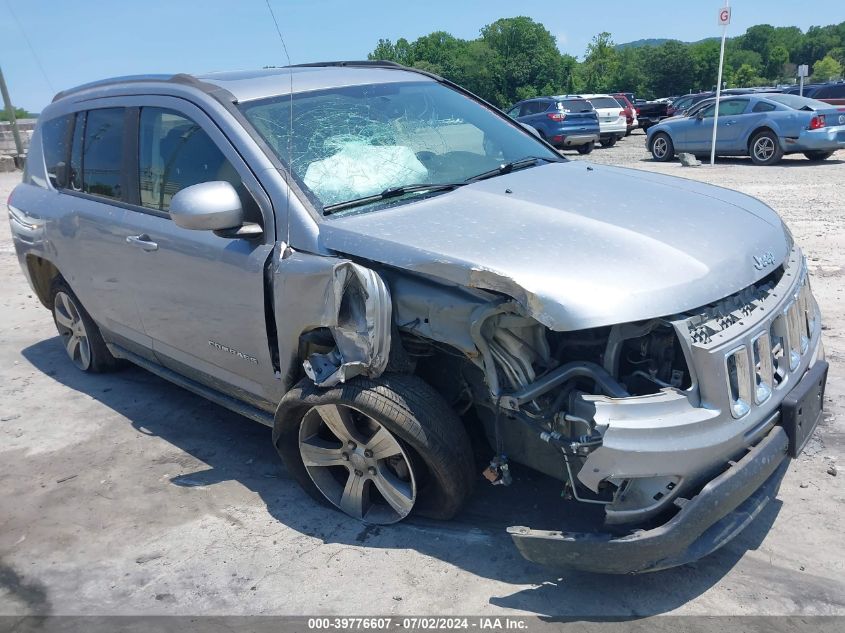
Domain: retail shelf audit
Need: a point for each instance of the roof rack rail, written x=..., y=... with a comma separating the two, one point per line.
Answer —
x=177, y=78
x=383, y=63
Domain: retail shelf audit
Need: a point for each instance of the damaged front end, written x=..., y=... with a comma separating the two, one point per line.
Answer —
x=680, y=427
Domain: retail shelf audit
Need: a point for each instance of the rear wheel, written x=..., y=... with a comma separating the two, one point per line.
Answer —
x=608, y=142
x=765, y=148
x=376, y=449
x=80, y=336
x=586, y=148
x=817, y=155
x=662, y=148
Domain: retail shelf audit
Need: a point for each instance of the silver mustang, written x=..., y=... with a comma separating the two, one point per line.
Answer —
x=762, y=126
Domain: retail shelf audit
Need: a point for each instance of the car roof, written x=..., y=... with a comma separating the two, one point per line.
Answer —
x=248, y=85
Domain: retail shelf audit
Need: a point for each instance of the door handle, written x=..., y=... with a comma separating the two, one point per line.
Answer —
x=730, y=122
x=142, y=241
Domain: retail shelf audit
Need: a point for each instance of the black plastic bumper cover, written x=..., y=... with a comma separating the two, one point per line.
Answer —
x=726, y=505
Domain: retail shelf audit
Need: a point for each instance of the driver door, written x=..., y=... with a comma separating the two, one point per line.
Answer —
x=201, y=296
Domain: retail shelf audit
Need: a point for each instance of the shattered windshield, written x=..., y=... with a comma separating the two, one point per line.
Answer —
x=357, y=141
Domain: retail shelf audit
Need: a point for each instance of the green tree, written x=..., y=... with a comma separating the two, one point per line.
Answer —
x=670, y=67
x=705, y=61
x=818, y=41
x=760, y=39
x=601, y=63
x=631, y=74
x=20, y=113
x=778, y=58
x=527, y=58
x=826, y=69
x=745, y=77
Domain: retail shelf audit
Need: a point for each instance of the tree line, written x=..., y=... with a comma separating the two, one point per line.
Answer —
x=518, y=58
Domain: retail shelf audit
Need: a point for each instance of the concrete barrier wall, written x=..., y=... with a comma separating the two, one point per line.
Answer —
x=7, y=139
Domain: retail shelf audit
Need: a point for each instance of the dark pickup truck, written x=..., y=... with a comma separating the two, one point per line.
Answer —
x=650, y=112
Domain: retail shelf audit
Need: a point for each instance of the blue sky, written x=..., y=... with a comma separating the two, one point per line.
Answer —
x=82, y=40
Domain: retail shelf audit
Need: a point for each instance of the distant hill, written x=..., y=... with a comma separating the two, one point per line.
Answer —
x=655, y=41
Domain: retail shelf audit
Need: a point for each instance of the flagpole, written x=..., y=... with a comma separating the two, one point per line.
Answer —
x=719, y=84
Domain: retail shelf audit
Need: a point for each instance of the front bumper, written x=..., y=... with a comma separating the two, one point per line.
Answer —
x=704, y=523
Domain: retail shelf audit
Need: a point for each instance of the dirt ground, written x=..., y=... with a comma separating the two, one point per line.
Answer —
x=122, y=494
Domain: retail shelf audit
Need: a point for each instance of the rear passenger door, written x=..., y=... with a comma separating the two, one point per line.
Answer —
x=201, y=296
x=90, y=245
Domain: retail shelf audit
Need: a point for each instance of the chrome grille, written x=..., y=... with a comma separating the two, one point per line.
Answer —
x=759, y=367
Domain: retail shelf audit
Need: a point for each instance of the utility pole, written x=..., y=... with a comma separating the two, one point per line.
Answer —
x=724, y=20
x=10, y=109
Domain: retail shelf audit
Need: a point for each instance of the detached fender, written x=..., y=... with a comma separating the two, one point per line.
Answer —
x=352, y=301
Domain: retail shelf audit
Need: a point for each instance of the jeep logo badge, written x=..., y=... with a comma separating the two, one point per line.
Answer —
x=764, y=260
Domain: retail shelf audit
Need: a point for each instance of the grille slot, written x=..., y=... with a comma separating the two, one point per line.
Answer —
x=762, y=364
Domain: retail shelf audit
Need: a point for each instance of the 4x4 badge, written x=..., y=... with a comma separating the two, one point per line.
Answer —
x=764, y=261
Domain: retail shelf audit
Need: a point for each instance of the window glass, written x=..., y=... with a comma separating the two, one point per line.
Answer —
x=532, y=107
x=763, y=106
x=829, y=92
x=733, y=107
x=574, y=105
x=355, y=141
x=75, y=176
x=605, y=102
x=514, y=112
x=55, y=139
x=176, y=153
x=103, y=152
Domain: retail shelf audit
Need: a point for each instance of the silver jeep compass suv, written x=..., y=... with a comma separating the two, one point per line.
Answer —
x=373, y=261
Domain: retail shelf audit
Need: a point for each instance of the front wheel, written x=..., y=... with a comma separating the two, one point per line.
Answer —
x=376, y=449
x=662, y=149
x=586, y=148
x=817, y=155
x=765, y=148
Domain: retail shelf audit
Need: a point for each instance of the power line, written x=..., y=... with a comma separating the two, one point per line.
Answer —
x=31, y=49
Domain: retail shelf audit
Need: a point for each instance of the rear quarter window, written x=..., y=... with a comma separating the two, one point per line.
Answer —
x=55, y=142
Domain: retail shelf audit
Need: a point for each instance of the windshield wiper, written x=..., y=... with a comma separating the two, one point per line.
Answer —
x=392, y=192
x=507, y=168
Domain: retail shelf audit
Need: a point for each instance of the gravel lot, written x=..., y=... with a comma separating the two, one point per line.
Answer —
x=122, y=494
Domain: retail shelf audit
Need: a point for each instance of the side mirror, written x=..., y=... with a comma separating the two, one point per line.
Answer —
x=699, y=115
x=531, y=129
x=208, y=206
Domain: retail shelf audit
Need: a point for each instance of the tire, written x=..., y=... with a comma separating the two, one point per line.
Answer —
x=586, y=148
x=434, y=447
x=817, y=155
x=80, y=336
x=662, y=148
x=608, y=142
x=765, y=148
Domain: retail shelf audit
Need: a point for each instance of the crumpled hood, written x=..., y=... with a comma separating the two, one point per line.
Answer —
x=578, y=245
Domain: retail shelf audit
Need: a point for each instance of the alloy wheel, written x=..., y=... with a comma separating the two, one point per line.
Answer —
x=357, y=464
x=72, y=330
x=659, y=147
x=764, y=148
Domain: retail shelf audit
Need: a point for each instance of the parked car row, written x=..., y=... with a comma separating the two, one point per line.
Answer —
x=577, y=121
x=763, y=126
